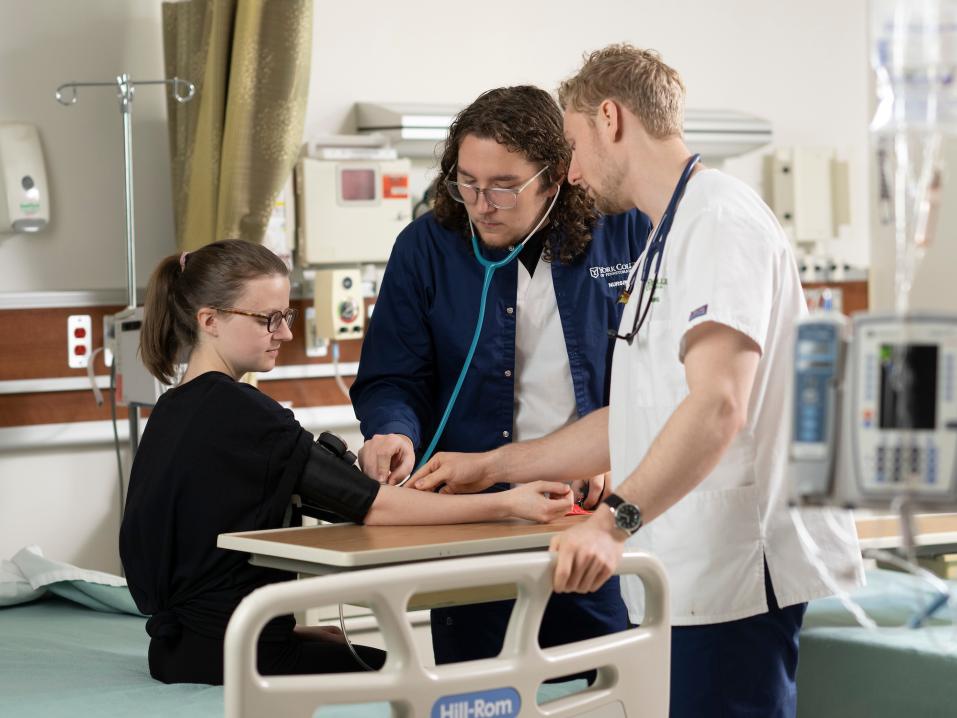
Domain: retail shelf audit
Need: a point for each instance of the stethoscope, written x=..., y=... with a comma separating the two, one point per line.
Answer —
x=490, y=269
x=654, y=253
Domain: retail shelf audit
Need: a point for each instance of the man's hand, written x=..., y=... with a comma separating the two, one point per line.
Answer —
x=598, y=487
x=588, y=554
x=387, y=458
x=460, y=473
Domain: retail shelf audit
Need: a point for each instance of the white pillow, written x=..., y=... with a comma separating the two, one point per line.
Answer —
x=14, y=588
x=40, y=571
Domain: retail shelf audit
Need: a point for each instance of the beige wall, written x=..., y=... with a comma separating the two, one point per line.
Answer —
x=765, y=57
x=803, y=66
x=43, y=44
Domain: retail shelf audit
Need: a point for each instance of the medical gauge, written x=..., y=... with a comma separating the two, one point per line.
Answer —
x=340, y=311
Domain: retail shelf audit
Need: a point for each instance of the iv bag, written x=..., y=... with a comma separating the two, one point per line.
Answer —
x=914, y=59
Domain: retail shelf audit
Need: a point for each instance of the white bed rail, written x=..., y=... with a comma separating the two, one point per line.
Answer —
x=633, y=666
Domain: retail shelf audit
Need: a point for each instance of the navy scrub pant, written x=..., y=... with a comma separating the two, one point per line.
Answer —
x=739, y=669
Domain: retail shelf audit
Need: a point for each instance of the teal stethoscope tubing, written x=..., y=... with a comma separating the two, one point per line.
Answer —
x=490, y=268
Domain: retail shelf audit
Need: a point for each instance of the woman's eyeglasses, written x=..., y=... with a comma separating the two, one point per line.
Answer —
x=272, y=319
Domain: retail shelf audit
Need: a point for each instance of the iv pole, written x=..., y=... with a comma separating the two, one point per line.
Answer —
x=183, y=91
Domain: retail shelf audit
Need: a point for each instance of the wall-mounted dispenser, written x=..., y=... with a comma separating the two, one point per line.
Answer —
x=24, y=193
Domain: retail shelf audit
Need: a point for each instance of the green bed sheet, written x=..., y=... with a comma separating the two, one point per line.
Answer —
x=846, y=671
x=59, y=659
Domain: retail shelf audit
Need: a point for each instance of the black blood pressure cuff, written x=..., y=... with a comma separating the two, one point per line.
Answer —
x=331, y=483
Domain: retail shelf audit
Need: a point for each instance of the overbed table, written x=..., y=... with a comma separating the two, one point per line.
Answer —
x=318, y=550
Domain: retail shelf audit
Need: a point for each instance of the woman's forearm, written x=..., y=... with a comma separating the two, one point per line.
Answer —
x=397, y=506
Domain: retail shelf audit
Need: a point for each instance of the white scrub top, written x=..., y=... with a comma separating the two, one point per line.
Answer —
x=727, y=260
x=544, y=392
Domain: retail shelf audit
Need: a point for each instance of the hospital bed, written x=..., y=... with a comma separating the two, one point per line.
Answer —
x=846, y=671
x=61, y=658
x=58, y=658
x=632, y=666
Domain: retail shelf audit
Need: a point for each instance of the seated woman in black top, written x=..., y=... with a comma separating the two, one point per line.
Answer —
x=219, y=456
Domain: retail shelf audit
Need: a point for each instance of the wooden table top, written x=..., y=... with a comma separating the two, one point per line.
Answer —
x=354, y=546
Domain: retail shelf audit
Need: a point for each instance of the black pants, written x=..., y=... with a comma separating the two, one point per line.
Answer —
x=191, y=658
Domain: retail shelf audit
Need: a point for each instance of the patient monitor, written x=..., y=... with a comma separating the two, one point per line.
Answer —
x=875, y=417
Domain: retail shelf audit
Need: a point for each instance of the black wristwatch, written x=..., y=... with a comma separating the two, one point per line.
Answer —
x=627, y=516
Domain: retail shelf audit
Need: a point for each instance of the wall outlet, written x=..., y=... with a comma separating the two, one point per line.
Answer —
x=79, y=340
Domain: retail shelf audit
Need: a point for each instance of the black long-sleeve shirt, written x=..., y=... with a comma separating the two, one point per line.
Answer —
x=216, y=456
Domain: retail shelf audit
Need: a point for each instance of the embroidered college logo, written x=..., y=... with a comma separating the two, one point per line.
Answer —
x=614, y=270
x=660, y=286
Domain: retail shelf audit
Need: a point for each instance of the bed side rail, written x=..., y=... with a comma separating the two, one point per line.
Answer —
x=633, y=666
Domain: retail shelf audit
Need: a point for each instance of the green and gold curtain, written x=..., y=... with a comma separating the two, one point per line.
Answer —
x=234, y=146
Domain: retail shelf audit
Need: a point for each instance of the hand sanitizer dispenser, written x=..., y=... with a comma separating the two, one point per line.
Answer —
x=24, y=194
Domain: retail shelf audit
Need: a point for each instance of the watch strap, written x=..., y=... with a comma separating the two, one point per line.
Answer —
x=613, y=501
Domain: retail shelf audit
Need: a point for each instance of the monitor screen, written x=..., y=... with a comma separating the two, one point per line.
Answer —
x=808, y=347
x=908, y=397
x=358, y=185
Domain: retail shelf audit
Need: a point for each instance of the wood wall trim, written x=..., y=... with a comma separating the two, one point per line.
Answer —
x=54, y=408
x=33, y=342
x=33, y=345
x=64, y=407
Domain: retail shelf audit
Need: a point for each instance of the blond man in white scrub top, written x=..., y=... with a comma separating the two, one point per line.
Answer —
x=697, y=429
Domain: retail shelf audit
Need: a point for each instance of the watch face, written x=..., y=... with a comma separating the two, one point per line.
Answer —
x=628, y=517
